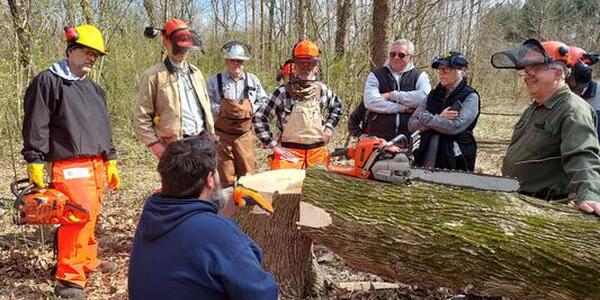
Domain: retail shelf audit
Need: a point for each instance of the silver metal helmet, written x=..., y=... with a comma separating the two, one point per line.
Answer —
x=236, y=50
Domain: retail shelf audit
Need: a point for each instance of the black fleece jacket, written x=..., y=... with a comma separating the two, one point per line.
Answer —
x=65, y=119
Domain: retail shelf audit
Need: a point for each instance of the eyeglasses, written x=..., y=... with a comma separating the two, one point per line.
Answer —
x=531, y=71
x=399, y=54
x=92, y=53
x=444, y=70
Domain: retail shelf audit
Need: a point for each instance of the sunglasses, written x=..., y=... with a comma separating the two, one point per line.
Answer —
x=399, y=54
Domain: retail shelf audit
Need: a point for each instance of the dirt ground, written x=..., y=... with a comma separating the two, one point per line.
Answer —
x=26, y=256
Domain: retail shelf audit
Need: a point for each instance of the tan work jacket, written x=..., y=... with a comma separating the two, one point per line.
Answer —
x=158, y=113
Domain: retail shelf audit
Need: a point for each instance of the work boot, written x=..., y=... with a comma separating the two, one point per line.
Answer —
x=68, y=290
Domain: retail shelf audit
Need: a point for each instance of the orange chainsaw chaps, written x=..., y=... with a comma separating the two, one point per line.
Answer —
x=81, y=179
x=303, y=159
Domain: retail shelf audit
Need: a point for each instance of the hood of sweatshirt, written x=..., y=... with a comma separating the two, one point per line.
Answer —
x=161, y=215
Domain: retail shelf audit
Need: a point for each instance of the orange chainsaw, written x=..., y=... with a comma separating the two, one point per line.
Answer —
x=44, y=206
x=392, y=161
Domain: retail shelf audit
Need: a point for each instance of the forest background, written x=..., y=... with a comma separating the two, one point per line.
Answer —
x=353, y=36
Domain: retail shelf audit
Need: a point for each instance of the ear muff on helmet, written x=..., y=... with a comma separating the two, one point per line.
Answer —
x=71, y=35
x=581, y=72
x=151, y=32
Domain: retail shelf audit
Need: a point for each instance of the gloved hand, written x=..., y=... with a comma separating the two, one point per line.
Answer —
x=35, y=171
x=112, y=174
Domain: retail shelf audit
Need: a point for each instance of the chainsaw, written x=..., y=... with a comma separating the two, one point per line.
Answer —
x=392, y=161
x=44, y=206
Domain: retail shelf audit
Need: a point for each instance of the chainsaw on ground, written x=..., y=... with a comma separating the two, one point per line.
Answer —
x=44, y=206
x=392, y=161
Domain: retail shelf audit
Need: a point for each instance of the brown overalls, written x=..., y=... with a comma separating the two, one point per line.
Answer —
x=234, y=128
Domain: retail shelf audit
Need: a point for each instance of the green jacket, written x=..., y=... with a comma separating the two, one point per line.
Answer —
x=554, y=149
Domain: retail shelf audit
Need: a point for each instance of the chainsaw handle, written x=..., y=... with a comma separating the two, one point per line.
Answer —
x=19, y=190
x=339, y=152
x=242, y=196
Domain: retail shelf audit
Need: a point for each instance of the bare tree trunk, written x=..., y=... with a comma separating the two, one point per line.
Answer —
x=262, y=29
x=300, y=18
x=344, y=14
x=270, y=39
x=150, y=12
x=20, y=11
x=69, y=12
x=88, y=13
x=380, y=20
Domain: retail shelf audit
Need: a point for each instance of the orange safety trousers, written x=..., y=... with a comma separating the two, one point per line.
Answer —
x=81, y=179
x=306, y=158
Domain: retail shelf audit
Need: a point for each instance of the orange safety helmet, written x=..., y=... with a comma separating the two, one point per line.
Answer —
x=176, y=33
x=306, y=49
x=575, y=55
x=557, y=51
x=172, y=25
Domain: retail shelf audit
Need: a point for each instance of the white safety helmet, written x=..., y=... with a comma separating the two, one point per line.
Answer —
x=236, y=50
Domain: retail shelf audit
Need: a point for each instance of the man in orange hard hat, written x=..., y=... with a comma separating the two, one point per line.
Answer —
x=303, y=130
x=67, y=125
x=172, y=101
x=580, y=81
x=554, y=150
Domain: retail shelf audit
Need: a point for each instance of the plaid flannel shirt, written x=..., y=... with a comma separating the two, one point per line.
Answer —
x=280, y=105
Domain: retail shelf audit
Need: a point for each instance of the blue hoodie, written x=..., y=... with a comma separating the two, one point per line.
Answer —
x=183, y=249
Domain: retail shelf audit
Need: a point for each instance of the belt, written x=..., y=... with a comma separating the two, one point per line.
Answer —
x=302, y=146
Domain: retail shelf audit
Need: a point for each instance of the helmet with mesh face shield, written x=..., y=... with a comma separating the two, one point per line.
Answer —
x=531, y=53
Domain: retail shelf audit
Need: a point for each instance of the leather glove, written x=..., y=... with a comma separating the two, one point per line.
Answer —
x=35, y=171
x=112, y=174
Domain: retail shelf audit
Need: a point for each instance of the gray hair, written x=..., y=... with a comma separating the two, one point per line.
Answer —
x=409, y=45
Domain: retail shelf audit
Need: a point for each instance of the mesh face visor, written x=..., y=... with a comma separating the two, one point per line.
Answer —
x=185, y=39
x=531, y=53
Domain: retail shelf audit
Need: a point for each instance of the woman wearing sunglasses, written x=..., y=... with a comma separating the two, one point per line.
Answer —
x=446, y=121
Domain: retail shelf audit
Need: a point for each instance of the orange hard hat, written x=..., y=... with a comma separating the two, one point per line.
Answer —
x=306, y=49
x=575, y=55
x=557, y=51
x=172, y=25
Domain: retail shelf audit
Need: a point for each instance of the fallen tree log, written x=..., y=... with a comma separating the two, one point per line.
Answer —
x=488, y=243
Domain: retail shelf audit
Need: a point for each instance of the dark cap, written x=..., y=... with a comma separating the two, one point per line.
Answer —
x=451, y=59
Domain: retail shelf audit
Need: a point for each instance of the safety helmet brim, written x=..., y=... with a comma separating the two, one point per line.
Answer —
x=529, y=54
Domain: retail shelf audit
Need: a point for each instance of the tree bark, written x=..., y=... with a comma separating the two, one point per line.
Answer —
x=286, y=251
x=494, y=244
x=20, y=11
x=88, y=14
x=149, y=6
x=344, y=13
x=380, y=21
